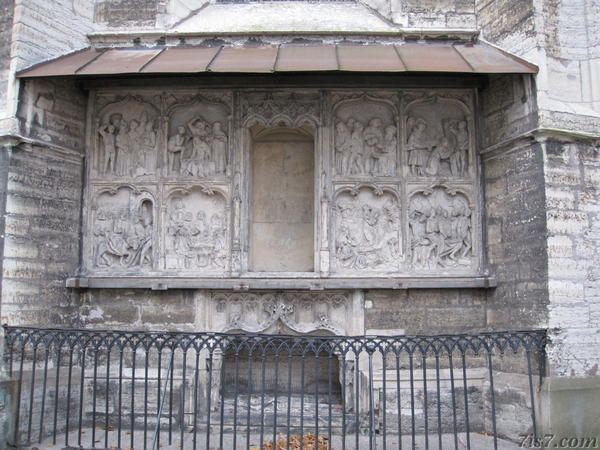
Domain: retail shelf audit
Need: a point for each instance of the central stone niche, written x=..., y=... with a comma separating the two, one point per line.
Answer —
x=282, y=200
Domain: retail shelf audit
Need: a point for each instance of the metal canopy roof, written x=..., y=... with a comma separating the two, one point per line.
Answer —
x=408, y=57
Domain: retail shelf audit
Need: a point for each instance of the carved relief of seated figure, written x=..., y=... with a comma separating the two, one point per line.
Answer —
x=440, y=232
x=367, y=235
x=196, y=244
x=121, y=243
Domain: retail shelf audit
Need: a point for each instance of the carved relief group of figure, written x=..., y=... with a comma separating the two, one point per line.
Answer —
x=440, y=230
x=130, y=149
x=198, y=149
x=195, y=242
x=448, y=157
x=365, y=150
x=369, y=231
x=123, y=237
x=367, y=235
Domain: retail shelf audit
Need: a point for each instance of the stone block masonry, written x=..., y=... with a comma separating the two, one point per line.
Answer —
x=6, y=21
x=41, y=244
x=43, y=191
x=573, y=167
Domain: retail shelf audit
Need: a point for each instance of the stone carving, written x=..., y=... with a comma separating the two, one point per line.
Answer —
x=365, y=138
x=123, y=230
x=197, y=145
x=447, y=158
x=438, y=138
x=196, y=232
x=302, y=313
x=276, y=108
x=165, y=142
x=367, y=230
x=127, y=135
x=440, y=229
x=364, y=150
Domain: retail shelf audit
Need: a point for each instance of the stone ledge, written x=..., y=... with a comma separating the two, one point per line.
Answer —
x=314, y=284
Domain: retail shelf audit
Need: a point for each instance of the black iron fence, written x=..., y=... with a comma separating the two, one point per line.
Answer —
x=125, y=389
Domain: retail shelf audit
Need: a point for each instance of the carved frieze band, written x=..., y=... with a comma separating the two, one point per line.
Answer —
x=282, y=312
x=398, y=181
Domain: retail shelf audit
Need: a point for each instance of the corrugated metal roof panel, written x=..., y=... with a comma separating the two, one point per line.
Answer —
x=367, y=58
x=117, y=61
x=306, y=58
x=64, y=65
x=245, y=59
x=487, y=59
x=182, y=60
x=432, y=58
x=412, y=57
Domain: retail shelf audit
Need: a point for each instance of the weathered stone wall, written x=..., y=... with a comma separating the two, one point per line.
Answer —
x=509, y=24
x=425, y=311
x=123, y=13
x=43, y=205
x=43, y=30
x=452, y=14
x=6, y=20
x=139, y=309
x=572, y=175
x=35, y=31
x=516, y=232
x=41, y=244
x=514, y=198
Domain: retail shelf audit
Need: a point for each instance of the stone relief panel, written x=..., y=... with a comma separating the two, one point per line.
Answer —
x=196, y=230
x=438, y=138
x=396, y=191
x=126, y=139
x=198, y=140
x=365, y=137
x=367, y=229
x=270, y=108
x=279, y=312
x=441, y=228
x=122, y=229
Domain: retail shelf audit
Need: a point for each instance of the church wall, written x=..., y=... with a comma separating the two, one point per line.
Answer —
x=6, y=21
x=572, y=173
x=43, y=205
x=514, y=199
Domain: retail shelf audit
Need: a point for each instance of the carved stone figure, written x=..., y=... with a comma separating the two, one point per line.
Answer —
x=123, y=237
x=175, y=148
x=458, y=160
x=440, y=229
x=418, y=151
x=374, y=146
x=439, y=153
x=200, y=163
x=355, y=166
x=367, y=232
x=387, y=159
x=145, y=147
x=219, y=148
x=193, y=242
x=107, y=132
x=343, y=137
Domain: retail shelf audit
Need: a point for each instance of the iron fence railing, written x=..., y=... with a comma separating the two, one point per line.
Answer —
x=142, y=389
